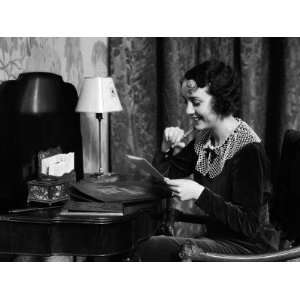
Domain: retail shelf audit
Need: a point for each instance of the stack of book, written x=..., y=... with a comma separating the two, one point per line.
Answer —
x=92, y=208
x=112, y=199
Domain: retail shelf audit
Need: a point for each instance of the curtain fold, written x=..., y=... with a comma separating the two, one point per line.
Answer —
x=134, y=130
x=217, y=48
x=176, y=55
x=147, y=72
x=254, y=72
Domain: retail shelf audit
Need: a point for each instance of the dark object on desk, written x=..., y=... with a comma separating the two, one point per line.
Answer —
x=285, y=211
x=27, y=129
x=49, y=232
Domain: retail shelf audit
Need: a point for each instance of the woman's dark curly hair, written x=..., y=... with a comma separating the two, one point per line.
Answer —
x=223, y=82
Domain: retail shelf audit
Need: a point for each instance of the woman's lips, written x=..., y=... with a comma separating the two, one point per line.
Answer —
x=197, y=118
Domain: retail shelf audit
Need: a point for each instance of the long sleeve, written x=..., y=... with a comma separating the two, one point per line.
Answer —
x=176, y=166
x=245, y=211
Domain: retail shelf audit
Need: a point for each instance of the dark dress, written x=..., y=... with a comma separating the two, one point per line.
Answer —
x=235, y=199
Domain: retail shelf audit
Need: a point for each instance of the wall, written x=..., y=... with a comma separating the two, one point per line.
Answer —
x=73, y=58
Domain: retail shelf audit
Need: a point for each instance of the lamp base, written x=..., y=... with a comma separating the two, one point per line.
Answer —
x=101, y=177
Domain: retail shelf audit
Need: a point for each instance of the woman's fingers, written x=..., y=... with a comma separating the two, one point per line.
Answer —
x=173, y=186
x=180, y=145
x=184, y=189
x=173, y=135
x=175, y=189
x=173, y=182
x=169, y=181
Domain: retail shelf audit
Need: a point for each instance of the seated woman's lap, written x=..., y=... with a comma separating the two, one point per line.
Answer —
x=166, y=248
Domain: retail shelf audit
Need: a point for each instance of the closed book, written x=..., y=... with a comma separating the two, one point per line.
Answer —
x=65, y=212
x=92, y=208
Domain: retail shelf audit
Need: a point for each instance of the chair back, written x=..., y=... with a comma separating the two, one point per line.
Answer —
x=287, y=199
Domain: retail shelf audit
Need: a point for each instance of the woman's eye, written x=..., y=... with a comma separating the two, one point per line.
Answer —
x=197, y=103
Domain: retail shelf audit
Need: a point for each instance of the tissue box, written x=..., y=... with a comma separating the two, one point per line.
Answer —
x=50, y=190
x=54, y=163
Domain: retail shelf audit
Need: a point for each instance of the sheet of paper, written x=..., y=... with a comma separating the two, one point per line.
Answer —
x=58, y=165
x=145, y=165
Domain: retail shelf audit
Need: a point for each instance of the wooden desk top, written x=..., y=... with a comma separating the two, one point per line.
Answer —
x=46, y=232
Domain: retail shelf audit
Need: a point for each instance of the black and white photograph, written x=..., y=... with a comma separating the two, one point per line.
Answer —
x=150, y=149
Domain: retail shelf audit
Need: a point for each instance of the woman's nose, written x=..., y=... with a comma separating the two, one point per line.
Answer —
x=190, y=110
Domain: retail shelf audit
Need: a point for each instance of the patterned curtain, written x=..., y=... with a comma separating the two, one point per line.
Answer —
x=134, y=130
x=147, y=72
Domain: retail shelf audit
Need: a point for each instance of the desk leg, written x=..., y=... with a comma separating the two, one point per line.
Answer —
x=38, y=258
x=6, y=257
x=113, y=258
x=80, y=258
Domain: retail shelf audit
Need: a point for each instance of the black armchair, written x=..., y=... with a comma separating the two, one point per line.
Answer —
x=285, y=211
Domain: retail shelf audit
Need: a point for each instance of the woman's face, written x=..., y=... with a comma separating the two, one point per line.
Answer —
x=199, y=106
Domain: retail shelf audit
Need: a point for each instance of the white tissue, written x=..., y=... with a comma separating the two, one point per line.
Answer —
x=58, y=165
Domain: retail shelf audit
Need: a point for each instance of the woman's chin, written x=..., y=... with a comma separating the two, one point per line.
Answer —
x=199, y=125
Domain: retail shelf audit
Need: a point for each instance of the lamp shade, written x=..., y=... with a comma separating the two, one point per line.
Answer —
x=39, y=92
x=98, y=95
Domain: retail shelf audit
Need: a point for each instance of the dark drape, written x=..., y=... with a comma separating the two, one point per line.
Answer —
x=147, y=72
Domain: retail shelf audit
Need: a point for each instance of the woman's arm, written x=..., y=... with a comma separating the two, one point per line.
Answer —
x=176, y=166
x=243, y=212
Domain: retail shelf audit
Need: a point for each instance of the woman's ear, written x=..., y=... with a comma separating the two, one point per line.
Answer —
x=207, y=88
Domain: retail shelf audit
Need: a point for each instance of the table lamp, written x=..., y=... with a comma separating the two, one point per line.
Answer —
x=98, y=95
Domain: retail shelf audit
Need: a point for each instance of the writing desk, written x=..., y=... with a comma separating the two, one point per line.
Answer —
x=46, y=232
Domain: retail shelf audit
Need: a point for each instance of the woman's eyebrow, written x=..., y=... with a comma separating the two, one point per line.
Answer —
x=194, y=98
x=190, y=98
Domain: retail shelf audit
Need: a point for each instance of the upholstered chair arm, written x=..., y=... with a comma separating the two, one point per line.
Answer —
x=191, y=252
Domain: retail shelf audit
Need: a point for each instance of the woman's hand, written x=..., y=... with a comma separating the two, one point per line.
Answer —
x=184, y=189
x=172, y=138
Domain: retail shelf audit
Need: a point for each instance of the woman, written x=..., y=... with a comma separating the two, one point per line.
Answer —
x=229, y=166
